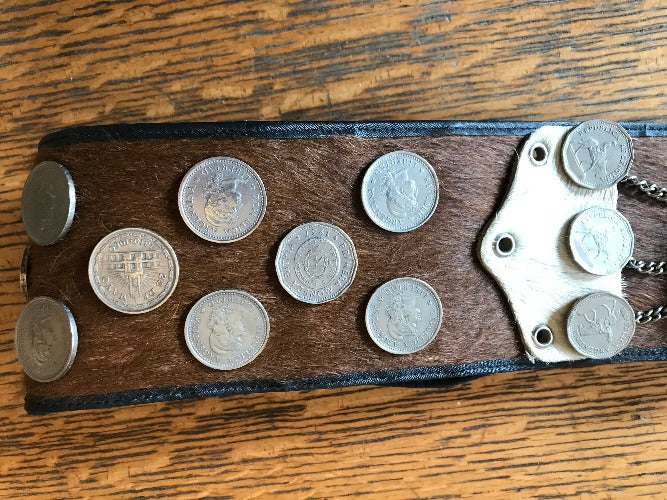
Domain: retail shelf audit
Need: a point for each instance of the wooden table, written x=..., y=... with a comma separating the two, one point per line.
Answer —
x=596, y=431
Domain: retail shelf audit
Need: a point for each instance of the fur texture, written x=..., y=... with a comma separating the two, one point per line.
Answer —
x=135, y=183
x=540, y=278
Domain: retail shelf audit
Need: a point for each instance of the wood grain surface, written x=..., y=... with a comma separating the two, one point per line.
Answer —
x=590, y=432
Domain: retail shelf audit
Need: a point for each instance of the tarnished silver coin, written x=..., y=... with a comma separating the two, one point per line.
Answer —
x=48, y=202
x=46, y=339
x=404, y=315
x=600, y=325
x=316, y=262
x=133, y=270
x=227, y=329
x=400, y=191
x=601, y=240
x=222, y=199
x=597, y=154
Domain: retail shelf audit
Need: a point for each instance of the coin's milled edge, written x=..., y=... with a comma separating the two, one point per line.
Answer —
x=181, y=204
x=170, y=250
x=24, y=269
x=354, y=257
x=75, y=340
x=632, y=237
x=188, y=322
x=71, y=209
x=428, y=287
x=364, y=197
x=72, y=329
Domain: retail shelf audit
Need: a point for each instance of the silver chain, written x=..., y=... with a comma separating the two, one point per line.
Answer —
x=654, y=314
x=658, y=193
x=648, y=267
x=650, y=188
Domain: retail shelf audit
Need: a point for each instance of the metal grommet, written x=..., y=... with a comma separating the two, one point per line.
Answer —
x=538, y=154
x=543, y=336
x=504, y=245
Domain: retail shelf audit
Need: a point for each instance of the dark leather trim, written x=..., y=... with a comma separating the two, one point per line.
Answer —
x=306, y=130
x=419, y=376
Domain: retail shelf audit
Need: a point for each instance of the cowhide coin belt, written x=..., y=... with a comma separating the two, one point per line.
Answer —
x=178, y=261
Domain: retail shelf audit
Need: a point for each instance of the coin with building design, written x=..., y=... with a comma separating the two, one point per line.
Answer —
x=316, y=262
x=400, y=191
x=133, y=270
x=222, y=199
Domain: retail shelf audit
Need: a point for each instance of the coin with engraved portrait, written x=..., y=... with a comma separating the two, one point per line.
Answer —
x=226, y=329
x=404, y=315
x=601, y=240
x=600, y=325
x=46, y=339
x=48, y=202
x=222, y=199
x=133, y=270
x=400, y=191
x=316, y=262
x=597, y=154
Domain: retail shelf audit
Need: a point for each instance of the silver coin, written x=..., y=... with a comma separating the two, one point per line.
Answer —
x=46, y=339
x=48, y=202
x=316, y=262
x=400, y=191
x=222, y=199
x=404, y=315
x=600, y=325
x=133, y=270
x=597, y=154
x=601, y=240
x=227, y=329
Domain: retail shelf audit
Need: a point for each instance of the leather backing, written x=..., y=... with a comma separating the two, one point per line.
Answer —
x=128, y=175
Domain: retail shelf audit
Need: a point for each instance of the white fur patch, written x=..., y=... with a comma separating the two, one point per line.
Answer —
x=539, y=277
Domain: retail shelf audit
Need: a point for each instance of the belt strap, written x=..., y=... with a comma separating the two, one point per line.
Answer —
x=128, y=176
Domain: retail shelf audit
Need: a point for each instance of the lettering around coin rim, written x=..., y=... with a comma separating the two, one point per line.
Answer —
x=234, y=329
x=222, y=199
x=585, y=156
x=392, y=301
x=601, y=240
x=316, y=262
x=48, y=203
x=583, y=323
x=400, y=199
x=127, y=267
x=46, y=349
